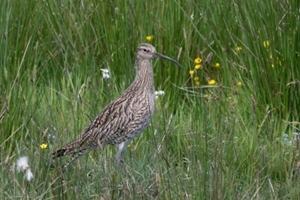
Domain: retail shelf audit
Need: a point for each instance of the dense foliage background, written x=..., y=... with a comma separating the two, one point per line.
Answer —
x=226, y=128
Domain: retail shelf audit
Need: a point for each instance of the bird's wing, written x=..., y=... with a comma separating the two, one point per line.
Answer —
x=111, y=123
x=107, y=126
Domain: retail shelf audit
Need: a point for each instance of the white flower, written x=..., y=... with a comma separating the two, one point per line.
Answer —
x=105, y=73
x=23, y=166
x=159, y=93
x=192, y=16
x=22, y=163
x=29, y=174
x=51, y=136
x=105, y=76
x=105, y=70
x=296, y=134
x=116, y=10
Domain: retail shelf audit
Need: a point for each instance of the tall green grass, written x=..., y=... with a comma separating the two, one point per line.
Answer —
x=205, y=142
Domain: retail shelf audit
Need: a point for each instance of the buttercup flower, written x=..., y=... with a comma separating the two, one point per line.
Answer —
x=266, y=43
x=198, y=60
x=198, y=66
x=212, y=82
x=238, y=48
x=196, y=80
x=44, y=145
x=191, y=72
x=239, y=83
x=149, y=38
x=217, y=65
x=278, y=61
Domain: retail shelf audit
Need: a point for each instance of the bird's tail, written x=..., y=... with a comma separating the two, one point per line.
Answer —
x=75, y=148
x=78, y=145
x=67, y=149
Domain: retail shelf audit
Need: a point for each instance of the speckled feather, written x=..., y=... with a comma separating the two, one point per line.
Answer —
x=124, y=118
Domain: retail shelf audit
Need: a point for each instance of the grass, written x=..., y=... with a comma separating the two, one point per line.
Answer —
x=221, y=141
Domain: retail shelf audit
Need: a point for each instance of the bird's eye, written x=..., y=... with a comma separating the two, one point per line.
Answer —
x=146, y=50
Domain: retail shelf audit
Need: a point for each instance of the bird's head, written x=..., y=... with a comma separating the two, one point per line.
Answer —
x=146, y=51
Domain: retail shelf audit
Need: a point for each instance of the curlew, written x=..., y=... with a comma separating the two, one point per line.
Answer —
x=125, y=117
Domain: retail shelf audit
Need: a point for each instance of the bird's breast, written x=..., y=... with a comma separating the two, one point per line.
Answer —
x=151, y=99
x=146, y=104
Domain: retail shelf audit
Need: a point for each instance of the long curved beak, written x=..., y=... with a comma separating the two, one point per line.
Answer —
x=167, y=58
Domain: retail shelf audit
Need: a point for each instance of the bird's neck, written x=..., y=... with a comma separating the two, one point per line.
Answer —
x=144, y=74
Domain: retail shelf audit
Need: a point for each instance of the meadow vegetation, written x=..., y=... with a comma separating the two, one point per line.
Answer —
x=227, y=126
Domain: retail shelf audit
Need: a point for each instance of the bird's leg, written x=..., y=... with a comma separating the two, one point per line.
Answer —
x=120, y=153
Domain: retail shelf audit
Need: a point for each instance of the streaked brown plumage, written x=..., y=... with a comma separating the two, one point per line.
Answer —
x=124, y=118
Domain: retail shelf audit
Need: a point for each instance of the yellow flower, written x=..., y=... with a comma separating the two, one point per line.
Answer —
x=197, y=83
x=196, y=78
x=44, y=145
x=149, y=38
x=238, y=48
x=272, y=65
x=217, y=65
x=207, y=96
x=266, y=43
x=198, y=66
x=198, y=60
x=239, y=83
x=212, y=82
x=279, y=61
x=191, y=72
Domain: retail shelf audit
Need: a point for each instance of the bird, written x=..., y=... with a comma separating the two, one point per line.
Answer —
x=124, y=118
